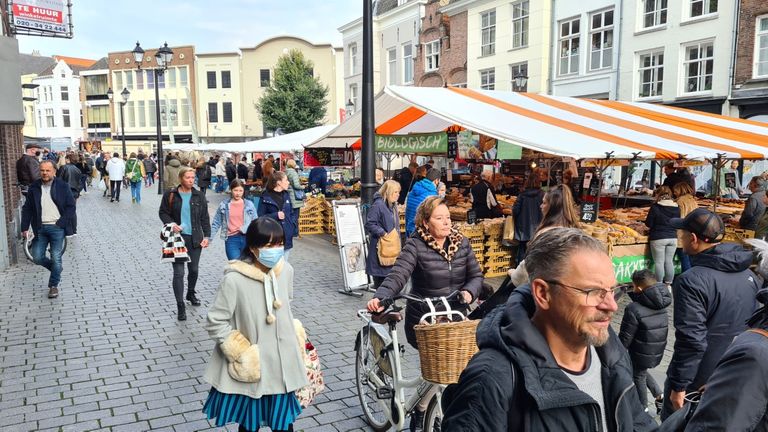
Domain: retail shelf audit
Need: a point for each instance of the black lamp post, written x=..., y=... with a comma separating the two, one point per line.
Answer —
x=520, y=81
x=368, y=154
x=125, y=94
x=163, y=57
x=350, y=108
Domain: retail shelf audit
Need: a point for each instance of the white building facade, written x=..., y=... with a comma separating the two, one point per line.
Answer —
x=219, y=98
x=506, y=39
x=678, y=53
x=585, y=54
x=58, y=109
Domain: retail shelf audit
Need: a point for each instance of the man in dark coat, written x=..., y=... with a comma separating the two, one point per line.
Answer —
x=406, y=181
x=712, y=302
x=231, y=170
x=28, y=167
x=318, y=179
x=49, y=210
x=484, y=197
x=242, y=169
x=549, y=359
x=644, y=330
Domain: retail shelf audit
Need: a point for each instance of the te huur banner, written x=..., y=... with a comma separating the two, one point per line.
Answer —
x=415, y=143
x=328, y=157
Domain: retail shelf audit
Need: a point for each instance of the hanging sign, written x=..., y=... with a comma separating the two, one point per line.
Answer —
x=414, y=143
x=453, y=145
x=328, y=157
x=41, y=18
x=730, y=180
x=508, y=151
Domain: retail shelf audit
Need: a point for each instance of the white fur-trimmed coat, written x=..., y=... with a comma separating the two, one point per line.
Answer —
x=240, y=304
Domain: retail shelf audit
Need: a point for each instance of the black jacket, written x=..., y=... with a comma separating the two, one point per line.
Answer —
x=170, y=212
x=27, y=170
x=231, y=171
x=658, y=221
x=32, y=212
x=753, y=210
x=645, y=325
x=712, y=301
x=514, y=383
x=70, y=174
x=258, y=172
x=480, y=201
x=406, y=182
x=527, y=213
x=242, y=171
x=431, y=275
x=203, y=176
x=273, y=202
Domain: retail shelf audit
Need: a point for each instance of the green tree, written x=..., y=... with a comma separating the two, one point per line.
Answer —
x=294, y=100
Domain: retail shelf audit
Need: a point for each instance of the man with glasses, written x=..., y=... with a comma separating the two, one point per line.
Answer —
x=712, y=302
x=549, y=359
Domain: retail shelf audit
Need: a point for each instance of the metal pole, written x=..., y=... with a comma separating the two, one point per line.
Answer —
x=368, y=165
x=122, y=127
x=158, y=72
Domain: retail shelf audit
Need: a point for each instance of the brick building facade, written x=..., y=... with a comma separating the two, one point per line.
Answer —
x=449, y=32
x=750, y=83
x=11, y=149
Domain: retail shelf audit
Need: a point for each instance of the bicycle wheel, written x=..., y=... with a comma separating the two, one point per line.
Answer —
x=367, y=374
x=433, y=418
x=29, y=241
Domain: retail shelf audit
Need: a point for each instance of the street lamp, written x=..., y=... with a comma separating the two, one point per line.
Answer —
x=170, y=121
x=163, y=57
x=124, y=94
x=350, y=108
x=521, y=81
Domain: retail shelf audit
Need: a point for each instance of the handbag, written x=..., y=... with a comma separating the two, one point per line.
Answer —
x=388, y=248
x=306, y=394
x=299, y=194
x=508, y=237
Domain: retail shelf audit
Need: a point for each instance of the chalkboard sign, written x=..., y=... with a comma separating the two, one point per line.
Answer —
x=730, y=180
x=588, y=212
x=453, y=146
x=594, y=186
x=471, y=217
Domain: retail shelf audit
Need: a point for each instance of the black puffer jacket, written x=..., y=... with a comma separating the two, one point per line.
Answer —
x=432, y=275
x=514, y=383
x=527, y=213
x=658, y=220
x=712, y=302
x=645, y=325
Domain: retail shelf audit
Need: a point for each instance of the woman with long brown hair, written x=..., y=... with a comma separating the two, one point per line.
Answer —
x=559, y=209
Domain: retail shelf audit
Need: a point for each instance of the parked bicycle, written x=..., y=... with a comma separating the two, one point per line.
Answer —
x=378, y=371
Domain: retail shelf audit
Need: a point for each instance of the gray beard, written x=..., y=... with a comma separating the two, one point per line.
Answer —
x=597, y=341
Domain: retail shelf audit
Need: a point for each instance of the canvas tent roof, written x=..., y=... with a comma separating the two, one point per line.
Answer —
x=279, y=144
x=563, y=126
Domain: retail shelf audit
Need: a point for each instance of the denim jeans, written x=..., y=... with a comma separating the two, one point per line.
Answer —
x=136, y=191
x=685, y=259
x=663, y=252
x=644, y=382
x=150, y=178
x=192, y=267
x=234, y=246
x=220, y=186
x=54, y=236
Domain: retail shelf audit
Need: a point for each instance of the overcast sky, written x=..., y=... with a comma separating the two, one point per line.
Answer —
x=102, y=26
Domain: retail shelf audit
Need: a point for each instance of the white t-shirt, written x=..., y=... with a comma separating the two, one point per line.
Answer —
x=590, y=382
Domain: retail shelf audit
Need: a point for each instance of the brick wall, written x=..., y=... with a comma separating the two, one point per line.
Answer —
x=452, y=31
x=11, y=149
x=745, y=45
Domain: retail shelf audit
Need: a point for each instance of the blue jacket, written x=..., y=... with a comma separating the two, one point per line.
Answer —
x=422, y=190
x=221, y=218
x=269, y=207
x=380, y=220
x=712, y=302
x=527, y=214
x=31, y=213
x=318, y=177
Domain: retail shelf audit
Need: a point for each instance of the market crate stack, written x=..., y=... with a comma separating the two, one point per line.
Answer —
x=498, y=258
x=735, y=235
x=476, y=238
x=311, y=217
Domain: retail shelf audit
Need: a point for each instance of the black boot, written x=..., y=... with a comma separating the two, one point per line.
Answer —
x=193, y=299
x=182, y=311
x=417, y=421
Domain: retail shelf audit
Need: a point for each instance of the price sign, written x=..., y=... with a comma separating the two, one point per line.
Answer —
x=730, y=180
x=453, y=146
x=471, y=217
x=588, y=212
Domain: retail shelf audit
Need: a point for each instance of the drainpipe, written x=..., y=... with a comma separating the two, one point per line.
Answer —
x=732, y=68
x=554, y=49
x=617, y=46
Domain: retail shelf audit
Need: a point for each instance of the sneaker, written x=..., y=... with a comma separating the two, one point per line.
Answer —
x=417, y=421
x=53, y=292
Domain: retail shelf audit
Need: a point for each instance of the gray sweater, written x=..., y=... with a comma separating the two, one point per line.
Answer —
x=241, y=304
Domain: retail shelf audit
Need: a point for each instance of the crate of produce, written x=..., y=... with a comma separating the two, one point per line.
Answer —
x=496, y=248
x=735, y=234
x=499, y=260
x=471, y=231
x=498, y=272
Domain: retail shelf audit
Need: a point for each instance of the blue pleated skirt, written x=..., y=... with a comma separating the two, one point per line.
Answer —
x=275, y=411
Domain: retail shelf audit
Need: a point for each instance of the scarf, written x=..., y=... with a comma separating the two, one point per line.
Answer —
x=174, y=249
x=454, y=242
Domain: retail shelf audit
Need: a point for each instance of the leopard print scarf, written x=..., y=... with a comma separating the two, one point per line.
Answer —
x=454, y=242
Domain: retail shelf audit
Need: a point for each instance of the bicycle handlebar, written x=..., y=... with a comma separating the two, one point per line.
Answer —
x=388, y=302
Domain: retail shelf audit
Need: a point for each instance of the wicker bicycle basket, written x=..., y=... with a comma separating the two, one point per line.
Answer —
x=445, y=349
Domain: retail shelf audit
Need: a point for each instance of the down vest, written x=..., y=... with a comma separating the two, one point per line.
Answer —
x=645, y=325
x=432, y=275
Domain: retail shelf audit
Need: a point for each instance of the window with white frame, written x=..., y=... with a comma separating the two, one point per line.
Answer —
x=601, y=39
x=569, y=46
x=654, y=13
x=407, y=63
x=391, y=66
x=67, y=119
x=761, y=47
x=353, y=96
x=143, y=113
x=698, y=66
x=49, y=117
x=352, y=59
x=519, y=70
x=432, y=55
x=64, y=93
x=520, y=14
x=651, y=70
x=488, y=32
x=488, y=79
x=702, y=7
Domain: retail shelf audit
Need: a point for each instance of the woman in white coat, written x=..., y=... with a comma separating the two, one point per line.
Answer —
x=116, y=171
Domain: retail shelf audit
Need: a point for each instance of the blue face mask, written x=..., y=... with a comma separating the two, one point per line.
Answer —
x=271, y=256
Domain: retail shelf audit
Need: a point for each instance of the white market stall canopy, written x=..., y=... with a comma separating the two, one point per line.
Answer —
x=563, y=126
x=287, y=143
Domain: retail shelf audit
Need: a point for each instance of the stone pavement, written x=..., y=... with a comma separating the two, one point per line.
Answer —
x=109, y=355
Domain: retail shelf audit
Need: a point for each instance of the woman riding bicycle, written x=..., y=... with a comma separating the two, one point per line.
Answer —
x=439, y=261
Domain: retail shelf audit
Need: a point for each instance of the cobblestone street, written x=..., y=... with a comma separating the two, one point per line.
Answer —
x=109, y=354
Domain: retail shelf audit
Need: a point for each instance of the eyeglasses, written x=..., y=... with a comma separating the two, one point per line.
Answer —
x=594, y=296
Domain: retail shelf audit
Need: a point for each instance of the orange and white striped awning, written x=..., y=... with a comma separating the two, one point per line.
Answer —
x=563, y=126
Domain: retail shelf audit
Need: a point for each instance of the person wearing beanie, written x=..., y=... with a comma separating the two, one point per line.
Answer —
x=422, y=190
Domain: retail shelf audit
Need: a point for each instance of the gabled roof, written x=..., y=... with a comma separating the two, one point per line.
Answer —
x=385, y=6
x=76, y=61
x=34, y=64
x=102, y=63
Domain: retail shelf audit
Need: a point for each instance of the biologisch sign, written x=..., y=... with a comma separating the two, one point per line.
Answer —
x=415, y=143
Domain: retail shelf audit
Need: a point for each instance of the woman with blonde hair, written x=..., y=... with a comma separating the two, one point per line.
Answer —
x=662, y=236
x=383, y=225
x=683, y=194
